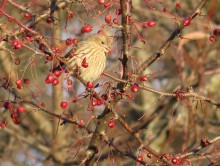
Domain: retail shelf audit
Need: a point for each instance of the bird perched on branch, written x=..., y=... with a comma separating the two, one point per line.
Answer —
x=89, y=57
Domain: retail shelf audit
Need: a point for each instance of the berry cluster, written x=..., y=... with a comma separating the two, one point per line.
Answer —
x=53, y=78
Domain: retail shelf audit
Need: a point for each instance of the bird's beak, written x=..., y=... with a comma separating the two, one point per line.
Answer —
x=108, y=50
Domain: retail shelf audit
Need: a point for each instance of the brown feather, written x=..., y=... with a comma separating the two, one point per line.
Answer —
x=94, y=49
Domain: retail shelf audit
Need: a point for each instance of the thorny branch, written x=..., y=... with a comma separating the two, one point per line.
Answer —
x=185, y=94
x=204, y=143
x=74, y=122
x=125, y=7
x=106, y=115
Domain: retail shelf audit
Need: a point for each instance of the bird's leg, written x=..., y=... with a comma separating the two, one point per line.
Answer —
x=77, y=71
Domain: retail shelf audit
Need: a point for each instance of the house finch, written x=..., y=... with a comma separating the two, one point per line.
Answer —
x=88, y=58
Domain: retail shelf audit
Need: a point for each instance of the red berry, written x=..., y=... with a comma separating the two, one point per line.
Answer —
x=57, y=73
x=3, y=124
x=167, y=156
x=18, y=82
x=17, y=61
x=113, y=95
x=104, y=97
x=118, y=11
x=108, y=18
x=149, y=155
x=178, y=6
x=20, y=109
x=84, y=63
x=63, y=104
x=7, y=105
x=69, y=42
x=212, y=39
x=174, y=160
x=14, y=115
x=205, y=142
x=165, y=9
x=26, y=81
x=83, y=30
x=16, y=44
x=94, y=103
x=56, y=50
x=111, y=124
x=49, y=20
x=27, y=15
x=115, y=21
x=107, y=5
x=75, y=40
x=49, y=58
x=179, y=161
x=140, y=158
x=81, y=123
x=100, y=31
x=129, y=96
x=89, y=84
x=134, y=88
x=151, y=23
x=42, y=47
x=186, y=21
x=216, y=32
x=129, y=19
x=143, y=78
x=49, y=79
x=20, y=86
x=86, y=29
x=42, y=104
x=179, y=95
x=69, y=15
x=55, y=81
x=16, y=120
x=99, y=102
x=28, y=38
x=101, y=2
x=69, y=82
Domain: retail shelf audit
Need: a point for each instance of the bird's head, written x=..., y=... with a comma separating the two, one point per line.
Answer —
x=102, y=40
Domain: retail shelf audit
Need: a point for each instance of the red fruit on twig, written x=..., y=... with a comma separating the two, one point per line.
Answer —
x=63, y=104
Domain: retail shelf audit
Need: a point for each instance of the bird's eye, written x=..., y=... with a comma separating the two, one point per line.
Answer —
x=103, y=42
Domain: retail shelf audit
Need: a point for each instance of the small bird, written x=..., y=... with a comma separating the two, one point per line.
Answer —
x=88, y=59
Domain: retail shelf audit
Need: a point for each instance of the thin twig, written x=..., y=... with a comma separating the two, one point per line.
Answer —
x=155, y=56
